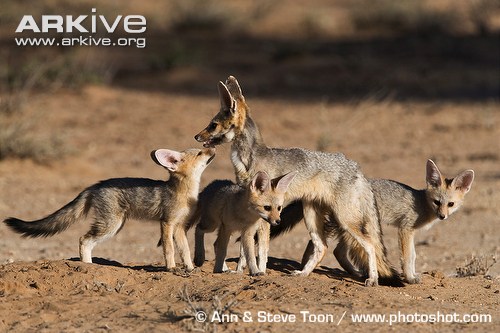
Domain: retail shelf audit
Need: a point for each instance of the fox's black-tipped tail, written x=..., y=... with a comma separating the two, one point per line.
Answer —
x=393, y=280
x=55, y=222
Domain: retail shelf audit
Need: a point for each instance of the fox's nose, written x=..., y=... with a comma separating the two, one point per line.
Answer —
x=197, y=137
x=441, y=216
x=277, y=222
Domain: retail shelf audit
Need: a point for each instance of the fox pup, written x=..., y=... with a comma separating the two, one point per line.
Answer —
x=250, y=210
x=324, y=181
x=171, y=202
x=409, y=209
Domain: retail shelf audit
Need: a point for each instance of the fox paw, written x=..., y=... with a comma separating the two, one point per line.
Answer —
x=199, y=262
x=194, y=270
x=259, y=273
x=371, y=282
x=299, y=273
x=413, y=279
x=177, y=271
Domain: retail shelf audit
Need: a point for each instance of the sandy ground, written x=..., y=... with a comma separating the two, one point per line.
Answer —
x=109, y=132
x=389, y=96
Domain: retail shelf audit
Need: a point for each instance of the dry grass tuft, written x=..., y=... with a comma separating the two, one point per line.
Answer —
x=197, y=315
x=477, y=266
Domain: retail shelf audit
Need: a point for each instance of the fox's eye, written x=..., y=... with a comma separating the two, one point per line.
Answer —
x=450, y=204
x=212, y=126
x=279, y=208
x=199, y=154
x=437, y=202
x=267, y=208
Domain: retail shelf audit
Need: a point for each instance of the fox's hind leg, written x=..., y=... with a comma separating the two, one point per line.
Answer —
x=183, y=246
x=316, y=231
x=199, y=246
x=220, y=247
x=104, y=227
x=242, y=261
x=341, y=254
x=206, y=225
x=167, y=235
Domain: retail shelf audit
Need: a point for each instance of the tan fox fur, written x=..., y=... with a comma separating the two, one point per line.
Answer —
x=409, y=210
x=324, y=181
x=171, y=202
x=231, y=208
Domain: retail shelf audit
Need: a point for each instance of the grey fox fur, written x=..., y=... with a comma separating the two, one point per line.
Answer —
x=113, y=201
x=407, y=209
x=325, y=181
x=229, y=207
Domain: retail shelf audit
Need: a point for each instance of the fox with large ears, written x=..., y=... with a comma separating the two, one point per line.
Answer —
x=407, y=209
x=170, y=202
x=249, y=210
x=324, y=182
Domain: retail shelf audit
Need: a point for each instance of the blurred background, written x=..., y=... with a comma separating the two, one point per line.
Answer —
x=389, y=83
x=339, y=50
x=343, y=50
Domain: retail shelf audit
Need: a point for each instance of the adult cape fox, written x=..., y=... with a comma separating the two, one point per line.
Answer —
x=324, y=181
x=407, y=209
x=171, y=202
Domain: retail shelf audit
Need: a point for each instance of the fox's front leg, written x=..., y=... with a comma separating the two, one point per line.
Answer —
x=408, y=255
x=183, y=246
x=248, y=243
x=167, y=238
x=263, y=234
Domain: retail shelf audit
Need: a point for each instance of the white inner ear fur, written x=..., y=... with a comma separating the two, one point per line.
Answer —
x=464, y=181
x=285, y=181
x=261, y=182
x=168, y=158
x=433, y=175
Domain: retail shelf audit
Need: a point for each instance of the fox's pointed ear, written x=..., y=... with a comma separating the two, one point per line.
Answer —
x=234, y=88
x=167, y=158
x=284, y=181
x=260, y=182
x=226, y=100
x=433, y=176
x=463, y=181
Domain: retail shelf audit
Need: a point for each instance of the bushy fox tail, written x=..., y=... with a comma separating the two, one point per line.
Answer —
x=56, y=222
x=388, y=275
x=293, y=214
